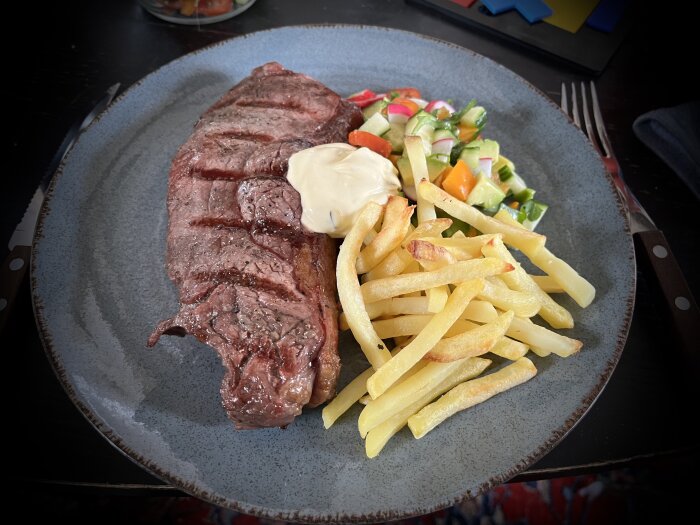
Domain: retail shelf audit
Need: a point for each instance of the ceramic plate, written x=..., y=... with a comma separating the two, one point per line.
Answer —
x=100, y=288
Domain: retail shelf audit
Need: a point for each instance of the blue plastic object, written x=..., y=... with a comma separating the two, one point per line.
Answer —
x=607, y=15
x=531, y=10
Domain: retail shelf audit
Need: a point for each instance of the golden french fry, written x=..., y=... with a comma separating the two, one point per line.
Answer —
x=413, y=146
x=541, y=340
x=516, y=237
x=391, y=371
x=510, y=349
x=403, y=394
x=393, y=264
x=469, y=394
x=380, y=435
x=428, y=229
x=522, y=303
x=402, y=325
x=437, y=298
x=349, y=288
x=556, y=315
x=347, y=397
x=462, y=248
x=397, y=220
x=379, y=289
x=547, y=284
x=425, y=250
x=578, y=288
x=480, y=311
x=472, y=342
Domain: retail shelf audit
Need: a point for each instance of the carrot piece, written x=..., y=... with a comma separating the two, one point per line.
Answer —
x=368, y=140
x=459, y=181
x=467, y=133
x=406, y=92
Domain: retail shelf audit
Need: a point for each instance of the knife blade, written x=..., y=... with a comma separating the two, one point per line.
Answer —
x=20, y=244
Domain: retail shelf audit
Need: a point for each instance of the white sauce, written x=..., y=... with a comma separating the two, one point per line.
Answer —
x=335, y=182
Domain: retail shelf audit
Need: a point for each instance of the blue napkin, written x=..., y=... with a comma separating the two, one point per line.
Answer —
x=674, y=135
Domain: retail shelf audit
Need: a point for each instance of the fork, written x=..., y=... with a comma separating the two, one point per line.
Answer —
x=649, y=240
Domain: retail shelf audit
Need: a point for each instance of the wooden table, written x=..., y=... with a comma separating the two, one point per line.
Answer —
x=642, y=415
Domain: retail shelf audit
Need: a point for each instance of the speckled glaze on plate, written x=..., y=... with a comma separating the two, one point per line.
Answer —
x=99, y=288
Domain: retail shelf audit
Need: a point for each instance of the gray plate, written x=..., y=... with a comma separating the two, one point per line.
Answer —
x=100, y=287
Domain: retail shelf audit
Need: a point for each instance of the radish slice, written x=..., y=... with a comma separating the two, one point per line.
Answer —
x=443, y=146
x=397, y=113
x=485, y=166
x=421, y=103
x=437, y=104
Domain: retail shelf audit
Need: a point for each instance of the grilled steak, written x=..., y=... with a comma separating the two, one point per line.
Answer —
x=254, y=283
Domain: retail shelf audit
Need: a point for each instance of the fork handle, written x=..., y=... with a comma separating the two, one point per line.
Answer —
x=679, y=301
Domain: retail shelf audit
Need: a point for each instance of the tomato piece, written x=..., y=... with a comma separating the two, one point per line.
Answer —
x=368, y=140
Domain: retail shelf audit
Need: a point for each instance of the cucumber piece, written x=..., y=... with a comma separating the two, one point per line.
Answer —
x=507, y=209
x=443, y=134
x=512, y=180
x=376, y=125
x=487, y=148
x=470, y=156
x=531, y=213
x=423, y=125
x=485, y=193
x=374, y=107
x=526, y=195
x=474, y=118
x=435, y=168
x=502, y=161
x=395, y=135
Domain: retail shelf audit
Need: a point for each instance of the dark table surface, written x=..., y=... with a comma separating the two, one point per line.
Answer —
x=83, y=47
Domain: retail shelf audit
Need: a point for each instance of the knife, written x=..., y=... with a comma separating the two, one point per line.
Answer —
x=15, y=265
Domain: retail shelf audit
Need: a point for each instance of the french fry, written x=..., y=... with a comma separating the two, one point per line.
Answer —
x=547, y=284
x=459, y=272
x=393, y=264
x=378, y=437
x=349, y=288
x=403, y=325
x=347, y=397
x=403, y=394
x=522, y=303
x=556, y=315
x=480, y=311
x=426, y=251
x=541, y=340
x=469, y=394
x=429, y=229
x=516, y=237
x=462, y=248
x=391, y=371
x=397, y=220
x=578, y=288
x=471, y=343
x=416, y=156
x=510, y=349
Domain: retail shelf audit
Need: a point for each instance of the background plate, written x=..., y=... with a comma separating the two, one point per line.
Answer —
x=100, y=288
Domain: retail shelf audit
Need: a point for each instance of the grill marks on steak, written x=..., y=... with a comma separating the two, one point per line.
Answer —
x=254, y=284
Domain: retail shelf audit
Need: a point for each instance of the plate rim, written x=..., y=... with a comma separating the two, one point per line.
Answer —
x=556, y=436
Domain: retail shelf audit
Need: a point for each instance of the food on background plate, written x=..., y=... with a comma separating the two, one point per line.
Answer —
x=254, y=283
x=446, y=290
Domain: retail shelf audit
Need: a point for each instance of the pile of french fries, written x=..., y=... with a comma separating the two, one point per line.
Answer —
x=443, y=305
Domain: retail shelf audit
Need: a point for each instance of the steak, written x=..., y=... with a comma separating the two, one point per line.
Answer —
x=254, y=284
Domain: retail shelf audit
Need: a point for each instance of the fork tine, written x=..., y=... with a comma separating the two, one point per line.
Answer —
x=574, y=105
x=564, y=99
x=587, y=118
x=599, y=123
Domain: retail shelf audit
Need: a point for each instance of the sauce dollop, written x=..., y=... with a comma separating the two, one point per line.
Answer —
x=335, y=182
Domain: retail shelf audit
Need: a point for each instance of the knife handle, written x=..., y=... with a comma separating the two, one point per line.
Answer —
x=11, y=276
x=679, y=302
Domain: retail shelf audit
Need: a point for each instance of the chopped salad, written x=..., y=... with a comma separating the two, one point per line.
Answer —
x=460, y=159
